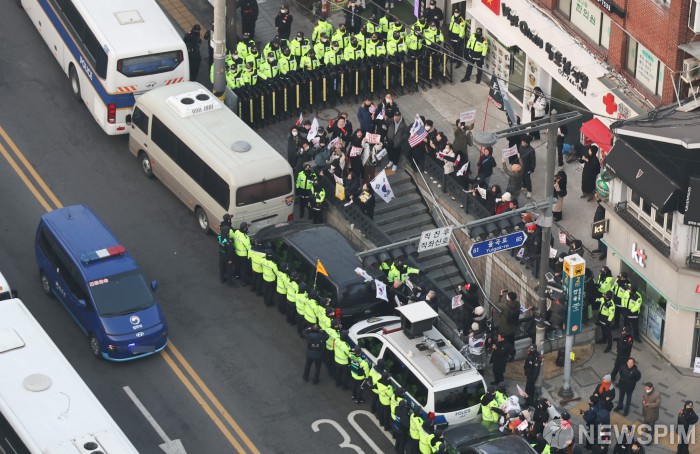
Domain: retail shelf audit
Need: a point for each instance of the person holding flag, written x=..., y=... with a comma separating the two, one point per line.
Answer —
x=416, y=138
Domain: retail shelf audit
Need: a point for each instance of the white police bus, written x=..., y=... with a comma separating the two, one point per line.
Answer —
x=111, y=50
x=45, y=407
x=209, y=158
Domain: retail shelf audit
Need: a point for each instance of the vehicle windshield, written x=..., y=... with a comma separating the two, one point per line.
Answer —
x=149, y=64
x=121, y=294
x=459, y=398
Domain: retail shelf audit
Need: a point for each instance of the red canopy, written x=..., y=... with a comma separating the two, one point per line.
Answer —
x=596, y=132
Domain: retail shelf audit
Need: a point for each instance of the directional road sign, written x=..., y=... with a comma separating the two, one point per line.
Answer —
x=499, y=244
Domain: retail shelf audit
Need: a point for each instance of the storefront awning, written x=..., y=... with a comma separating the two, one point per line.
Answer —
x=598, y=133
x=643, y=177
x=692, y=202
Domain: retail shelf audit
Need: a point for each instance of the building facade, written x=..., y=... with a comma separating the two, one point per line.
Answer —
x=615, y=58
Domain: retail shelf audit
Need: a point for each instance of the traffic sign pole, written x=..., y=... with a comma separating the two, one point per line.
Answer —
x=573, y=282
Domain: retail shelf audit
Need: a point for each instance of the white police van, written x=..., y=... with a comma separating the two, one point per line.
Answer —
x=421, y=360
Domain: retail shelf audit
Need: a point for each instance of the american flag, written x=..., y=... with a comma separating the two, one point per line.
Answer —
x=417, y=132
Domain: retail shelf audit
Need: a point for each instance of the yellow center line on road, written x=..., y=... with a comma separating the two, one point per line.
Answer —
x=172, y=363
x=213, y=399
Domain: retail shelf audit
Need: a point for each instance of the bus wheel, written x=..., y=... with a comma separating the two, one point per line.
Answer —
x=45, y=284
x=74, y=82
x=146, y=164
x=202, y=219
x=95, y=347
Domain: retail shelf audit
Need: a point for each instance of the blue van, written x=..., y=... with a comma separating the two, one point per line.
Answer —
x=83, y=265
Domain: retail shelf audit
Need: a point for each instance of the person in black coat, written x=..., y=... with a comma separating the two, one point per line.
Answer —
x=686, y=419
x=502, y=352
x=470, y=299
x=355, y=154
x=562, y=131
x=364, y=116
x=560, y=181
x=397, y=137
x=249, y=16
x=293, y=144
x=434, y=14
x=316, y=344
x=485, y=165
x=403, y=424
x=629, y=376
x=591, y=169
x=531, y=366
x=353, y=20
x=283, y=23
x=192, y=41
x=528, y=161
x=351, y=183
x=624, y=350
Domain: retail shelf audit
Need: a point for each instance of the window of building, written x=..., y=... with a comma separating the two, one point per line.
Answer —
x=588, y=18
x=661, y=224
x=644, y=66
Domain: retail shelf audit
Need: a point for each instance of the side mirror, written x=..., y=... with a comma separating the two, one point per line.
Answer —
x=82, y=304
x=13, y=293
x=128, y=119
x=154, y=285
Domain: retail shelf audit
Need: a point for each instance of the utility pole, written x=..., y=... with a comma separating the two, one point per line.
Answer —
x=546, y=225
x=219, y=40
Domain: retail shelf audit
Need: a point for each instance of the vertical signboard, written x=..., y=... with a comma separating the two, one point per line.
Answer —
x=573, y=281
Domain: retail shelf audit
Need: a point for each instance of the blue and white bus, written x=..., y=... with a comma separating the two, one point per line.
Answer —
x=112, y=51
x=45, y=407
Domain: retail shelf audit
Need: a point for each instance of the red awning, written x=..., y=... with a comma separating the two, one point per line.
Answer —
x=596, y=131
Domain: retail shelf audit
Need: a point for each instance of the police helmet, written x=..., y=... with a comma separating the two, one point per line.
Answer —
x=313, y=294
x=303, y=287
x=196, y=28
x=381, y=362
x=268, y=255
x=244, y=225
x=300, y=34
x=270, y=55
x=324, y=35
x=357, y=350
x=227, y=217
x=397, y=35
x=285, y=50
x=283, y=266
x=385, y=375
x=330, y=311
x=353, y=41
x=335, y=44
x=249, y=65
x=336, y=324
x=609, y=294
x=502, y=387
x=294, y=275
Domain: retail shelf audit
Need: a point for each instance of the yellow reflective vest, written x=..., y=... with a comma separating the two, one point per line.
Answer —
x=256, y=260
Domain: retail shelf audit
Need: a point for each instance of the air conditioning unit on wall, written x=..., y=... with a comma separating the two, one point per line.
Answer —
x=694, y=18
x=691, y=70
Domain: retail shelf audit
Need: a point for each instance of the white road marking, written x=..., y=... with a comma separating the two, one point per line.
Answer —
x=169, y=446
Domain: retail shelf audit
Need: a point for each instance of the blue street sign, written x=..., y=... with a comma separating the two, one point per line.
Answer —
x=499, y=244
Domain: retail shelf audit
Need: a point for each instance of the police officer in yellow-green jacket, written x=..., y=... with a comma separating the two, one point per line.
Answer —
x=458, y=30
x=281, y=286
x=375, y=374
x=606, y=315
x=394, y=273
x=604, y=282
x=301, y=298
x=386, y=393
x=425, y=442
x=305, y=181
x=310, y=308
x=269, y=276
x=476, y=48
x=341, y=352
x=488, y=406
x=619, y=289
x=241, y=246
x=292, y=291
x=414, y=429
x=333, y=337
x=396, y=397
x=632, y=302
x=256, y=255
x=359, y=371
x=322, y=26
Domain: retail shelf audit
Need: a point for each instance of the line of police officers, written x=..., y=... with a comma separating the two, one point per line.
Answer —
x=316, y=320
x=619, y=300
x=290, y=75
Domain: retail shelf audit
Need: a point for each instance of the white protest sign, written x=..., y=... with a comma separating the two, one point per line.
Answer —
x=457, y=301
x=508, y=152
x=467, y=117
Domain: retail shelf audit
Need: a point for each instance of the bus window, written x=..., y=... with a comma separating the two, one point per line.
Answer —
x=140, y=119
x=372, y=345
x=149, y=64
x=265, y=190
x=404, y=377
x=458, y=398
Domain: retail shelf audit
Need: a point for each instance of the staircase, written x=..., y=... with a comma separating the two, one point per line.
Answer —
x=406, y=217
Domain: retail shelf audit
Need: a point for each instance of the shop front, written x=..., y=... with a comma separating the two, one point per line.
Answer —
x=528, y=49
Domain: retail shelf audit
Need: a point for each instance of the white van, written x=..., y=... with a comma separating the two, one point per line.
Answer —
x=422, y=361
x=209, y=158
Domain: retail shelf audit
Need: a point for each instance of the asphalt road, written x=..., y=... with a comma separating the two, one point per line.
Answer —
x=247, y=360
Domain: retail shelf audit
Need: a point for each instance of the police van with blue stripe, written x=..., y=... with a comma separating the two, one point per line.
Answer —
x=83, y=265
